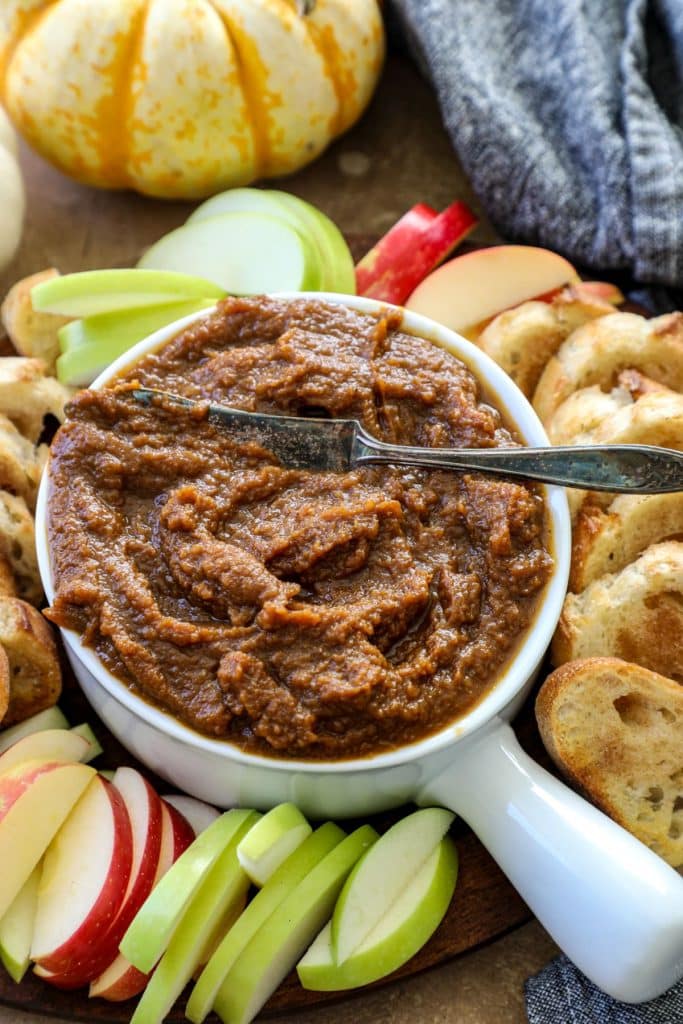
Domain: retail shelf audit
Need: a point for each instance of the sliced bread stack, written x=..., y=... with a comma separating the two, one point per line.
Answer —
x=611, y=715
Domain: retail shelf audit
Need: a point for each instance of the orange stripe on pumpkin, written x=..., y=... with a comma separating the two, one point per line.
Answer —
x=253, y=75
x=26, y=22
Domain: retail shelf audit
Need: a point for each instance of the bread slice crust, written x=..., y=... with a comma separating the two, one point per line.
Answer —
x=635, y=614
x=615, y=730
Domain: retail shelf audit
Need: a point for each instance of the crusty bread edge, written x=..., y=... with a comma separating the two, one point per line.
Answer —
x=552, y=689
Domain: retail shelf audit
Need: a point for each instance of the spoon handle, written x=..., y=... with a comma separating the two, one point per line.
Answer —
x=624, y=468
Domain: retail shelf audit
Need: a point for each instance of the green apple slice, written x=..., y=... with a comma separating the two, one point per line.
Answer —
x=89, y=346
x=16, y=928
x=381, y=877
x=51, y=718
x=106, y=291
x=277, y=888
x=86, y=732
x=215, y=905
x=155, y=922
x=279, y=943
x=245, y=253
x=338, y=272
x=403, y=930
x=271, y=841
x=107, y=774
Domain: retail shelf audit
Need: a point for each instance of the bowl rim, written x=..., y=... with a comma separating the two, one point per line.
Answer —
x=518, y=671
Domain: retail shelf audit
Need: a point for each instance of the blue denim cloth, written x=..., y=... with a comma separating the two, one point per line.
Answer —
x=567, y=116
x=560, y=994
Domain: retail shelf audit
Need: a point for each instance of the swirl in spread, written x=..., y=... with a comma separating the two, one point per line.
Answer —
x=295, y=613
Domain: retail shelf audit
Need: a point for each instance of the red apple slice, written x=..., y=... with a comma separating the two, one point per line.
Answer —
x=85, y=875
x=400, y=238
x=144, y=811
x=35, y=799
x=472, y=288
x=48, y=745
x=121, y=980
x=411, y=250
x=197, y=814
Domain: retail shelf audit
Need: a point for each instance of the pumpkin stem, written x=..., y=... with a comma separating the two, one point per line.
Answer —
x=306, y=7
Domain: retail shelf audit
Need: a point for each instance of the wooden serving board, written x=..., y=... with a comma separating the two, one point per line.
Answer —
x=485, y=905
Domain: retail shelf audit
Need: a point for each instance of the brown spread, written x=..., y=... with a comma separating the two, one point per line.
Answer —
x=295, y=613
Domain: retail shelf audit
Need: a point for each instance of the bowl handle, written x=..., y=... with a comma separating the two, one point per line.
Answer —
x=613, y=906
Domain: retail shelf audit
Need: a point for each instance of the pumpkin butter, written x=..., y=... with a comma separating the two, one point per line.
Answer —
x=294, y=613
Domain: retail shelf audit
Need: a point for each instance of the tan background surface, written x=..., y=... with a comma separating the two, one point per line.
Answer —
x=397, y=156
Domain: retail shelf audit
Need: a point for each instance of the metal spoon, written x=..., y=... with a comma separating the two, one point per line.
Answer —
x=340, y=445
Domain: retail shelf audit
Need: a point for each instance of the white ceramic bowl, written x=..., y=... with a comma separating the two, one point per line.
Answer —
x=532, y=824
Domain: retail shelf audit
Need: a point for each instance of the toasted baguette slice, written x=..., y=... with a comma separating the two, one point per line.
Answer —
x=521, y=340
x=635, y=614
x=604, y=541
x=648, y=415
x=597, y=352
x=4, y=685
x=27, y=395
x=31, y=333
x=8, y=584
x=21, y=463
x=35, y=674
x=18, y=548
x=616, y=731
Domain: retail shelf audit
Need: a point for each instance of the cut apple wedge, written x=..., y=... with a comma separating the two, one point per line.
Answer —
x=120, y=980
x=144, y=812
x=89, y=346
x=35, y=799
x=470, y=289
x=48, y=745
x=271, y=841
x=85, y=874
x=383, y=875
x=157, y=919
x=51, y=718
x=197, y=814
x=214, y=906
x=106, y=291
x=415, y=245
x=404, y=929
x=245, y=253
x=337, y=271
x=16, y=928
x=279, y=943
x=94, y=745
x=279, y=886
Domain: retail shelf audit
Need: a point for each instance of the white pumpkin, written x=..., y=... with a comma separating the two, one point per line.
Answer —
x=12, y=199
x=182, y=98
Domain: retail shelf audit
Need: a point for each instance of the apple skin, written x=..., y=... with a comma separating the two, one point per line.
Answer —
x=415, y=245
x=271, y=841
x=51, y=718
x=278, y=944
x=416, y=916
x=470, y=289
x=382, y=875
x=35, y=799
x=277, y=888
x=198, y=814
x=92, y=292
x=152, y=928
x=120, y=980
x=333, y=252
x=52, y=745
x=16, y=928
x=100, y=830
x=214, y=905
x=144, y=812
x=245, y=253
